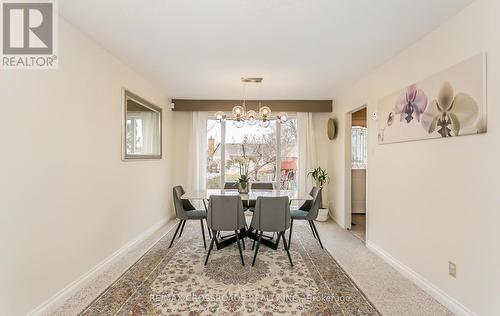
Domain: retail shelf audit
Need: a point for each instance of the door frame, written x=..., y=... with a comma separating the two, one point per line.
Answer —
x=348, y=168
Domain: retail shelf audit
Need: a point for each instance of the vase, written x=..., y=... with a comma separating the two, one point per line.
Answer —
x=243, y=187
x=322, y=215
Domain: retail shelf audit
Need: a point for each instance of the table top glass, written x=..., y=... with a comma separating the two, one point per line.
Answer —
x=252, y=195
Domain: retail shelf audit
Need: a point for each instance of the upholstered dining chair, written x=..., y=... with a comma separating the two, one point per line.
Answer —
x=272, y=214
x=251, y=203
x=225, y=213
x=308, y=212
x=231, y=186
x=258, y=186
x=185, y=211
x=262, y=186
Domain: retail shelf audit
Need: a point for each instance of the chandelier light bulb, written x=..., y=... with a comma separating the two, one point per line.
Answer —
x=238, y=111
x=282, y=117
x=220, y=116
x=265, y=111
x=251, y=117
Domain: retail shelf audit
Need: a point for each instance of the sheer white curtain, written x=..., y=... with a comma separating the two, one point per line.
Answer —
x=197, y=158
x=150, y=132
x=307, y=150
x=144, y=132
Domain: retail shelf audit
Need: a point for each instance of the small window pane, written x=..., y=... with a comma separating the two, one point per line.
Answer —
x=213, y=154
x=359, y=146
x=251, y=150
x=289, y=155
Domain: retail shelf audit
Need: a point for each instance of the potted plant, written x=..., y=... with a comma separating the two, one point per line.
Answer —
x=321, y=178
x=243, y=183
x=243, y=180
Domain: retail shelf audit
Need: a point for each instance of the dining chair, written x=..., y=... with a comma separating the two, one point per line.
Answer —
x=231, y=186
x=185, y=211
x=261, y=186
x=225, y=213
x=272, y=214
x=258, y=186
x=251, y=203
x=308, y=212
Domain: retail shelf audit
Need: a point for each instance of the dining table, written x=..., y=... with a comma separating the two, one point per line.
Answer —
x=252, y=195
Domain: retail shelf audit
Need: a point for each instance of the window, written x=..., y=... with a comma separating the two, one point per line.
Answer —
x=230, y=150
x=359, y=146
x=289, y=155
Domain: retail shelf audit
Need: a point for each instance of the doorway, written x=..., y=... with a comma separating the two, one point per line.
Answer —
x=357, y=164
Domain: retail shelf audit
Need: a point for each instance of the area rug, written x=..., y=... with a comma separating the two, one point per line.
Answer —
x=175, y=281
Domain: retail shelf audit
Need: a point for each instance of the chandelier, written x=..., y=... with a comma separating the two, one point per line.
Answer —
x=240, y=115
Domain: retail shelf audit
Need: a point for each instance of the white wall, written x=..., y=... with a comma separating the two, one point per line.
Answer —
x=67, y=199
x=358, y=191
x=182, y=123
x=434, y=201
x=320, y=121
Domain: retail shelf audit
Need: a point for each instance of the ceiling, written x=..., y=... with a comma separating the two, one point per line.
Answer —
x=304, y=49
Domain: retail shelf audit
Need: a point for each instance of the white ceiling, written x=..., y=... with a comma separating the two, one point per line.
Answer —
x=304, y=49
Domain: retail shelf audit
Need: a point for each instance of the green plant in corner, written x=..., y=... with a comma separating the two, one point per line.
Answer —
x=320, y=176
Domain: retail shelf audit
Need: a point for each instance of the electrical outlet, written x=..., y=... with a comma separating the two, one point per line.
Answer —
x=452, y=269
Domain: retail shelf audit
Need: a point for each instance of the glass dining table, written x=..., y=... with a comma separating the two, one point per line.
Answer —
x=252, y=195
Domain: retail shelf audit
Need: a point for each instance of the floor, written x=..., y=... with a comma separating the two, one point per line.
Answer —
x=388, y=290
x=358, y=227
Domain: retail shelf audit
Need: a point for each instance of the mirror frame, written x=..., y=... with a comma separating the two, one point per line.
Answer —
x=127, y=95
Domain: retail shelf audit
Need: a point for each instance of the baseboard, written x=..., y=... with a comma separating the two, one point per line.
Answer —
x=452, y=304
x=331, y=213
x=60, y=297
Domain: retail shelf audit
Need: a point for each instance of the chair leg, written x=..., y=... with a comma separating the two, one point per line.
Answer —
x=278, y=240
x=310, y=225
x=209, y=231
x=182, y=228
x=253, y=244
x=175, y=234
x=239, y=248
x=243, y=242
x=290, y=235
x=203, y=233
x=210, y=248
x=257, y=249
x=317, y=235
x=287, y=248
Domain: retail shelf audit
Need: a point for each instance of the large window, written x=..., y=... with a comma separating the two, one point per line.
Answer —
x=231, y=150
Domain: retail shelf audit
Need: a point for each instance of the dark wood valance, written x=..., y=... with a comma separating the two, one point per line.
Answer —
x=275, y=105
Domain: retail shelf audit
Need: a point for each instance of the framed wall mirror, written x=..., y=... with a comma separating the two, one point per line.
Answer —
x=141, y=128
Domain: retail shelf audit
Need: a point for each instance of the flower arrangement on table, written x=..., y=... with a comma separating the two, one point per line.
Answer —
x=244, y=164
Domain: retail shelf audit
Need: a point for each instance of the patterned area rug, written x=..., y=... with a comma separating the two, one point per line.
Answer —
x=175, y=282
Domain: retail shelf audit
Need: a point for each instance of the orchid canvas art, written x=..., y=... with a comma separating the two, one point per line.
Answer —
x=448, y=104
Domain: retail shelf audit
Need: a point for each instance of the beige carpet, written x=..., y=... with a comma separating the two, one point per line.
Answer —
x=358, y=226
x=175, y=281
